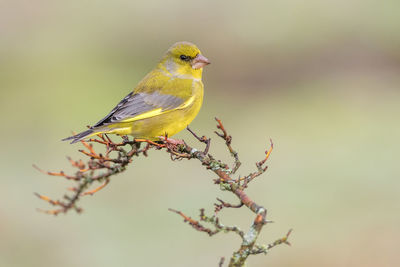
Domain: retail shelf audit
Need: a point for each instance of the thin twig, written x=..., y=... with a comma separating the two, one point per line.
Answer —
x=195, y=224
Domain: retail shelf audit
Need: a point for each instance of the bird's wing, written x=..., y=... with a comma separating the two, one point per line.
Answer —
x=136, y=104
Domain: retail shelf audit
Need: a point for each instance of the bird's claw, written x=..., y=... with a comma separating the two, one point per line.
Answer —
x=171, y=141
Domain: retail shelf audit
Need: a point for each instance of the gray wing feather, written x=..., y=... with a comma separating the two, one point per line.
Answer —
x=136, y=104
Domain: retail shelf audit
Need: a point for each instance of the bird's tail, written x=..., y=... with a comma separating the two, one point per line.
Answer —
x=80, y=136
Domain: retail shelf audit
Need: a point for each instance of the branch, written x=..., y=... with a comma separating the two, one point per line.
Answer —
x=101, y=167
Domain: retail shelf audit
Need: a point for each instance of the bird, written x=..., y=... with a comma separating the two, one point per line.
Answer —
x=163, y=103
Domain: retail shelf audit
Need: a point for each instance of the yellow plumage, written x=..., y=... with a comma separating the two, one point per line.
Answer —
x=163, y=103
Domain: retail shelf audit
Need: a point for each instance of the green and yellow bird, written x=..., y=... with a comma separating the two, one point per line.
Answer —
x=163, y=103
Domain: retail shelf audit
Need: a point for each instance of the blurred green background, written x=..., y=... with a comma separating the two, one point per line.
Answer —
x=321, y=78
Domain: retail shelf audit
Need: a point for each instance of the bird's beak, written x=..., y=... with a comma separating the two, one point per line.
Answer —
x=199, y=61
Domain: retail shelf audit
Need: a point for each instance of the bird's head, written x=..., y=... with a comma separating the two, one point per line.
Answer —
x=185, y=60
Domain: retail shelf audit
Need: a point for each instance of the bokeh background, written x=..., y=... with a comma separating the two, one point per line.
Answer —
x=321, y=78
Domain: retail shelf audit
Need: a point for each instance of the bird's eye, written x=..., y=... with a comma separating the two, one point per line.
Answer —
x=184, y=58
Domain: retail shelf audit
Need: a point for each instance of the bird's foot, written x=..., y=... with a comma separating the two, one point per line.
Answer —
x=171, y=141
